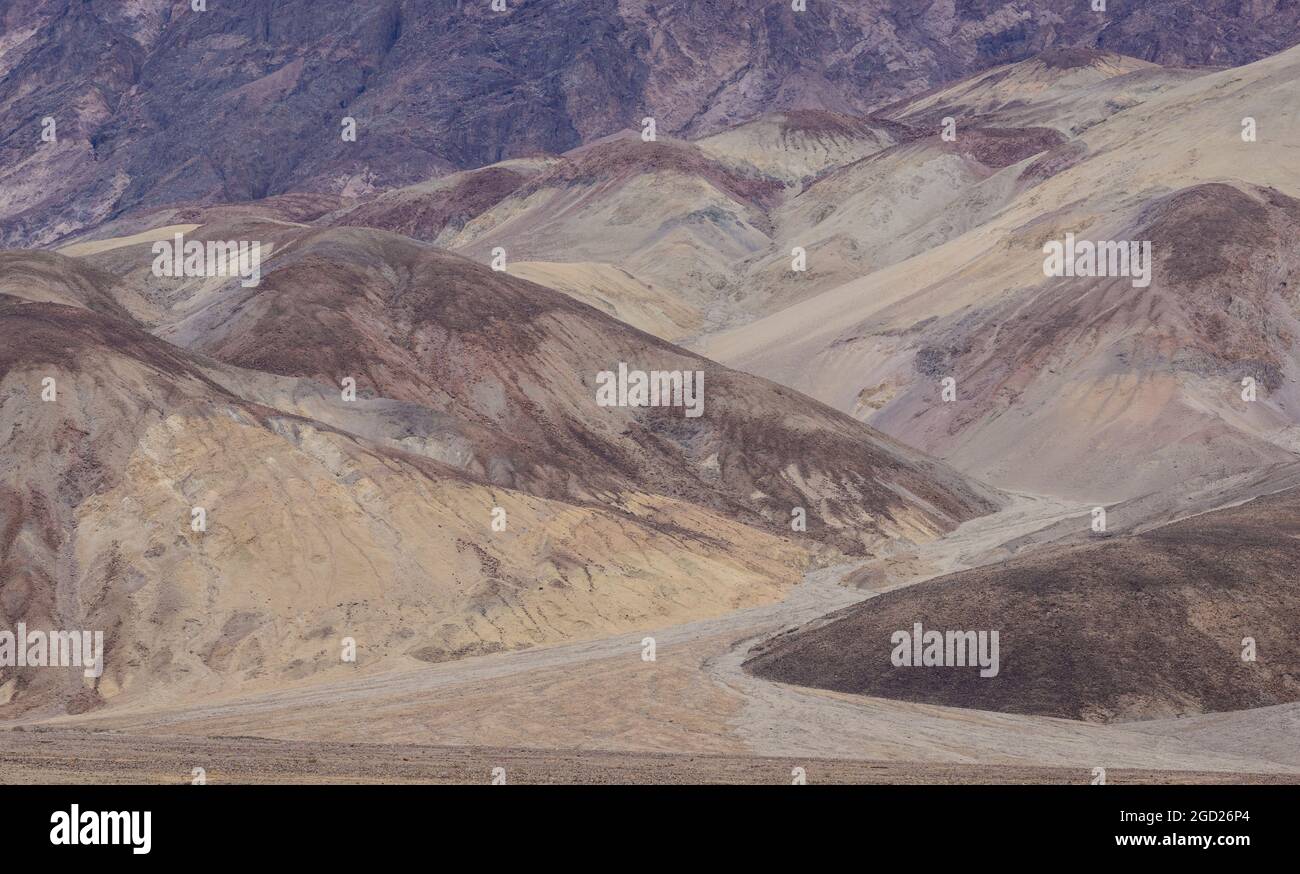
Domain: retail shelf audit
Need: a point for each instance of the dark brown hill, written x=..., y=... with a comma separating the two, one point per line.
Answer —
x=1137, y=627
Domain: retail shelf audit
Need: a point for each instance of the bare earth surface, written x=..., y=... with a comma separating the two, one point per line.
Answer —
x=78, y=757
x=596, y=712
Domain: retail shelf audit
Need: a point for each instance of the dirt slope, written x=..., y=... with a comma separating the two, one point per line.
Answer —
x=312, y=534
x=1115, y=390
x=372, y=519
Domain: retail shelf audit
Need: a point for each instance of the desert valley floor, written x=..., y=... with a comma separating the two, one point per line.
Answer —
x=594, y=712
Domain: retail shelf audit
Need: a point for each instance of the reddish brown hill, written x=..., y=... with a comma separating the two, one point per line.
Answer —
x=515, y=364
x=614, y=161
x=1129, y=628
x=1001, y=147
x=426, y=210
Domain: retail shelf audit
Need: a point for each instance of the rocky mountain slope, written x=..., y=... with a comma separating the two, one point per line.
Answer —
x=157, y=104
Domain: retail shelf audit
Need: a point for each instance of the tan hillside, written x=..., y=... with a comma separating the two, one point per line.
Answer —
x=372, y=518
x=1088, y=376
x=1069, y=89
x=612, y=290
x=799, y=145
x=312, y=534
